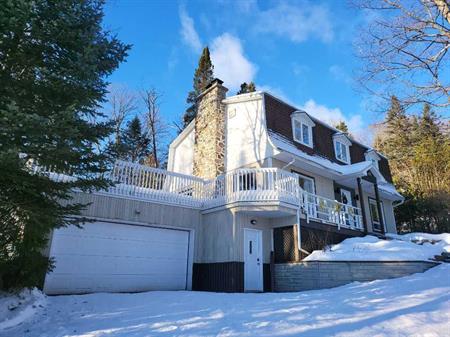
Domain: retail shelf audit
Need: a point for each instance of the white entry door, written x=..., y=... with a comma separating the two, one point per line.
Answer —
x=253, y=264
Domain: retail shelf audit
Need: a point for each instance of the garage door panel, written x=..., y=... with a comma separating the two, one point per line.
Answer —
x=117, y=258
x=122, y=232
x=104, y=283
x=88, y=245
x=118, y=264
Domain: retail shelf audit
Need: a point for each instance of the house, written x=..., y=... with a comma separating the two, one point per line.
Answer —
x=250, y=182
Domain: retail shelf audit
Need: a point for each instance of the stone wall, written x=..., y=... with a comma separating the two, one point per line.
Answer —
x=328, y=274
x=209, y=148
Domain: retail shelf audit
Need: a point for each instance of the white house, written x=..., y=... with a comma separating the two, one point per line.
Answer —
x=251, y=181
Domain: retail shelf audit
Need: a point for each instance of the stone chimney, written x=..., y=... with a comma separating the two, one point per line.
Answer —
x=209, y=149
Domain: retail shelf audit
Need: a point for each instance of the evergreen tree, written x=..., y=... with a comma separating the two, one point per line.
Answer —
x=246, y=88
x=419, y=152
x=203, y=75
x=342, y=126
x=134, y=143
x=54, y=59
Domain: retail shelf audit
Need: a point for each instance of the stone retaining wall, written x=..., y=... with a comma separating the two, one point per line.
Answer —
x=328, y=274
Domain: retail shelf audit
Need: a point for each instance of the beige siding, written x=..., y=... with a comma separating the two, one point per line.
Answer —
x=137, y=211
x=218, y=235
x=324, y=186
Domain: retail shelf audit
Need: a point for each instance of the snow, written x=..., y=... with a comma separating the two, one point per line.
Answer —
x=371, y=248
x=14, y=309
x=356, y=169
x=416, y=305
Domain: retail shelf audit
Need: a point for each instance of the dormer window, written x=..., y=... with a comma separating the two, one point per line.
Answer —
x=342, y=147
x=302, y=126
x=372, y=155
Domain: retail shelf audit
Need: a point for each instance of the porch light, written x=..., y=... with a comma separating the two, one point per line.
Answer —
x=253, y=221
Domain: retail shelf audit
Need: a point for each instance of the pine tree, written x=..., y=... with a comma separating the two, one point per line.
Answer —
x=134, y=143
x=203, y=75
x=246, y=88
x=419, y=152
x=54, y=59
x=342, y=126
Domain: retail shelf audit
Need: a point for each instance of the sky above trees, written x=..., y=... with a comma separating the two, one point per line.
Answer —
x=301, y=52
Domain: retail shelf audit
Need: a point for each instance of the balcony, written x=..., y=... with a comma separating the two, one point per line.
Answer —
x=331, y=211
x=258, y=186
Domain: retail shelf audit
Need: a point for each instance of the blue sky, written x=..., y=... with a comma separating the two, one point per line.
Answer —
x=299, y=50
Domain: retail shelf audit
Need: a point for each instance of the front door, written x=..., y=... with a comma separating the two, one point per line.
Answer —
x=253, y=264
x=346, y=199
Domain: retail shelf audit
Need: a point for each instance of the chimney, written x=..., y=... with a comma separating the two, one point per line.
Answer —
x=209, y=148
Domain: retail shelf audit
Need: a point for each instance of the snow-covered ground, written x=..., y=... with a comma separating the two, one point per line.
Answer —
x=417, y=305
x=413, y=246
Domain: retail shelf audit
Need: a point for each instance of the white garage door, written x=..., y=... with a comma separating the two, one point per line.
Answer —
x=112, y=257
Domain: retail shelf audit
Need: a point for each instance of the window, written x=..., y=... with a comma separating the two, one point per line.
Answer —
x=306, y=183
x=341, y=151
x=373, y=157
x=302, y=126
x=374, y=215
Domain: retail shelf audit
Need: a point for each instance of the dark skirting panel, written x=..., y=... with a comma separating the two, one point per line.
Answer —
x=266, y=277
x=219, y=277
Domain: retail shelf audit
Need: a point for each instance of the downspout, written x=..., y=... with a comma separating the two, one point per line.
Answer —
x=399, y=203
x=288, y=164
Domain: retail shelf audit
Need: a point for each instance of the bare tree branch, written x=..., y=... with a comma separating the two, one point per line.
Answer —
x=156, y=128
x=122, y=103
x=404, y=49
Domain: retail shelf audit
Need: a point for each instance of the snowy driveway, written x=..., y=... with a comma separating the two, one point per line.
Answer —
x=417, y=305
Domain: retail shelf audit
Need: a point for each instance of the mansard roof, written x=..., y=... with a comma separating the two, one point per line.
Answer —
x=278, y=119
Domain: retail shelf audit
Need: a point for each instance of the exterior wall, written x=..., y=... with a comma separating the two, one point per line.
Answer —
x=320, y=274
x=181, y=153
x=246, y=134
x=222, y=235
x=106, y=208
x=324, y=186
x=388, y=209
x=210, y=126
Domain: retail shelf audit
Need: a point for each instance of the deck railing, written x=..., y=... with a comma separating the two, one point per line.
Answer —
x=241, y=185
x=252, y=185
x=332, y=211
x=151, y=183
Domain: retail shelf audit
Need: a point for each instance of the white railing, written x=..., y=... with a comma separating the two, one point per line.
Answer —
x=241, y=185
x=252, y=185
x=151, y=183
x=331, y=211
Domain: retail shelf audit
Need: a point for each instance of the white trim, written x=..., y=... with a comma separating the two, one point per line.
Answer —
x=307, y=178
x=303, y=119
x=382, y=217
x=346, y=143
x=372, y=156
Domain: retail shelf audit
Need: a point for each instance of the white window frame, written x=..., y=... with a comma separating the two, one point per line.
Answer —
x=308, y=178
x=303, y=119
x=374, y=202
x=345, y=142
x=373, y=157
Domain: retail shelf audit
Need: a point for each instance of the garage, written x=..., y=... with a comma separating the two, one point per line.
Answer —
x=117, y=257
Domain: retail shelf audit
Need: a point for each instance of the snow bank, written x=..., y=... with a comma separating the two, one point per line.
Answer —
x=416, y=305
x=14, y=309
x=409, y=247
